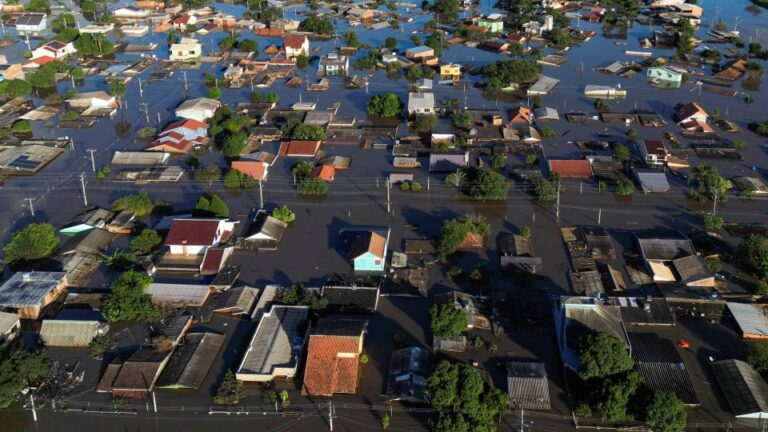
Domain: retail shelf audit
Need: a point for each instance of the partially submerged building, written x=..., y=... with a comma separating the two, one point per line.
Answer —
x=406, y=379
x=333, y=357
x=71, y=333
x=190, y=362
x=28, y=293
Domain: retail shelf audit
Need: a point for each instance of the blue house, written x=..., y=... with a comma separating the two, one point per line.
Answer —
x=369, y=250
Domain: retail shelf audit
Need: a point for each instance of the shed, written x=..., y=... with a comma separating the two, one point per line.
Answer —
x=527, y=386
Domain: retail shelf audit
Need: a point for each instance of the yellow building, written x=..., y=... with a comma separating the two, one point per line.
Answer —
x=450, y=72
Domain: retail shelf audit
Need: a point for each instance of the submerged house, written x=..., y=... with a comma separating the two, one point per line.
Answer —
x=333, y=357
x=96, y=103
x=368, y=250
x=28, y=293
x=200, y=109
x=180, y=137
x=186, y=49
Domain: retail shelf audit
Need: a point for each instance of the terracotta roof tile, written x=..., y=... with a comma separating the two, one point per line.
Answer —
x=571, y=169
x=294, y=41
x=324, y=172
x=255, y=169
x=195, y=232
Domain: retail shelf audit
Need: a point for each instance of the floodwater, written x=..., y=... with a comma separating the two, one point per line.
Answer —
x=310, y=250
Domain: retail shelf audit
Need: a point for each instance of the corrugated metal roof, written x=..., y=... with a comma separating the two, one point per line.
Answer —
x=752, y=319
x=191, y=361
x=64, y=333
x=273, y=344
x=743, y=388
x=17, y=292
x=527, y=385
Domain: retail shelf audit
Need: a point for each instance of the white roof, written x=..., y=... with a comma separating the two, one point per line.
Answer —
x=752, y=319
x=178, y=293
x=7, y=321
x=653, y=181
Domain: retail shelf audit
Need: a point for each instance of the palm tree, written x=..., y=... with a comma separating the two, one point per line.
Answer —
x=456, y=179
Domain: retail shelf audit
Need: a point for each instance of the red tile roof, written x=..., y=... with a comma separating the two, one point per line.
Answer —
x=188, y=123
x=294, y=41
x=571, y=169
x=326, y=373
x=299, y=148
x=276, y=32
x=42, y=60
x=520, y=115
x=192, y=232
x=177, y=147
x=212, y=261
x=324, y=172
x=256, y=170
x=654, y=147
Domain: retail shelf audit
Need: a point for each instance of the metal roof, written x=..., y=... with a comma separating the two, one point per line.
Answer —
x=140, y=158
x=7, y=321
x=527, y=385
x=65, y=333
x=652, y=180
x=752, y=319
x=191, y=361
x=28, y=289
x=408, y=368
x=277, y=342
x=178, y=293
x=743, y=388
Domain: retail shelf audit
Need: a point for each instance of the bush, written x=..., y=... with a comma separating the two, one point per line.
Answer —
x=426, y=122
x=238, y=180
x=405, y=186
x=415, y=186
x=301, y=169
x=234, y=144
x=545, y=190
x=147, y=241
x=313, y=186
x=99, y=345
x=36, y=241
x=230, y=391
x=547, y=132
x=214, y=93
x=625, y=187
x=207, y=174
x=284, y=214
x=364, y=359
x=22, y=127
x=140, y=204
x=713, y=223
x=455, y=232
x=602, y=106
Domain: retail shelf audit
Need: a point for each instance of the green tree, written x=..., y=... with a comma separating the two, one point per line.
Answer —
x=120, y=260
x=602, y=355
x=625, y=186
x=308, y=132
x=615, y=394
x=117, y=88
x=21, y=127
x=445, y=320
x=312, y=186
x=666, y=413
x=15, y=87
x=708, y=182
x=264, y=97
x=757, y=357
x=435, y=41
x=128, y=301
x=442, y=385
x=426, y=122
x=350, y=36
x=42, y=6
x=302, y=61
x=462, y=119
x=301, y=169
x=45, y=77
x=140, y=204
x=208, y=174
x=234, y=144
x=547, y=132
x=602, y=106
x=545, y=190
x=297, y=295
x=284, y=214
x=214, y=93
x=386, y=105
x=230, y=391
x=754, y=249
x=490, y=185
x=446, y=7
x=621, y=153
x=218, y=207
x=21, y=369
x=506, y=72
x=35, y=241
x=390, y=43
x=147, y=241
x=203, y=205
x=238, y=180
x=93, y=44
x=456, y=179
x=248, y=45
x=713, y=223
x=227, y=43
x=99, y=345
x=455, y=232
x=317, y=25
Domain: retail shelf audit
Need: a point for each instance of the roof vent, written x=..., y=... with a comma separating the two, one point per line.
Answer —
x=26, y=277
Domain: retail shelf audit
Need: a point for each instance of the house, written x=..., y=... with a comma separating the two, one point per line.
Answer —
x=333, y=357
x=233, y=73
x=406, y=378
x=652, y=180
x=98, y=103
x=654, y=153
x=661, y=367
x=131, y=13
x=190, y=362
x=520, y=115
x=276, y=346
x=71, y=333
x=671, y=257
x=358, y=14
x=97, y=218
x=324, y=172
x=419, y=53
x=357, y=295
x=27, y=293
x=546, y=114
x=692, y=117
x=178, y=294
x=265, y=232
x=450, y=72
x=186, y=49
x=528, y=386
x=368, y=250
x=181, y=22
x=448, y=162
x=180, y=137
x=542, y=86
x=495, y=25
x=299, y=148
x=200, y=109
x=751, y=319
x=574, y=169
x=11, y=72
x=466, y=303
x=10, y=328
x=194, y=236
x=665, y=74
x=516, y=253
x=421, y=103
x=296, y=45
x=333, y=64
x=136, y=377
x=257, y=170
x=31, y=24
x=744, y=389
x=54, y=49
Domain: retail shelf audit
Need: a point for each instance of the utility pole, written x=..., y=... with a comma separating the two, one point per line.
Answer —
x=186, y=87
x=141, y=90
x=261, y=195
x=85, y=196
x=714, y=204
x=154, y=402
x=557, y=210
x=158, y=119
x=331, y=413
x=599, y=215
x=93, y=161
x=389, y=205
x=31, y=206
x=146, y=112
x=32, y=402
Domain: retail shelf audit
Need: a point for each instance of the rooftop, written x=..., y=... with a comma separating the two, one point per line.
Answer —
x=29, y=289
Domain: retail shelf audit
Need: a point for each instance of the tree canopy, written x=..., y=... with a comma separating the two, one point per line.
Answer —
x=139, y=204
x=385, y=105
x=455, y=232
x=297, y=295
x=666, y=413
x=230, y=391
x=93, y=44
x=127, y=300
x=147, y=241
x=234, y=144
x=708, y=182
x=602, y=355
x=317, y=25
x=511, y=71
x=36, y=241
x=312, y=186
x=15, y=87
x=21, y=369
x=284, y=214
x=445, y=320
x=237, y=180
x=757, y=357
x=488, y=185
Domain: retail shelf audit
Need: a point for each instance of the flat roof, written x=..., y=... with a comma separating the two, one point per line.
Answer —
x=17, y=292
x=276, y=343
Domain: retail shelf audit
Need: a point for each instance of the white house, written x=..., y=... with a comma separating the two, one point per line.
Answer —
x=421, y=103
x=653, y=151
x=131, y=13
x=94, y=103
x=187, y=49
x=194, y=236
x=54, y=49
x=200, y=109
x=31, y=24
x=296, y=45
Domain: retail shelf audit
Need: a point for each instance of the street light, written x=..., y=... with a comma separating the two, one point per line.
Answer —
x=29, y=390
